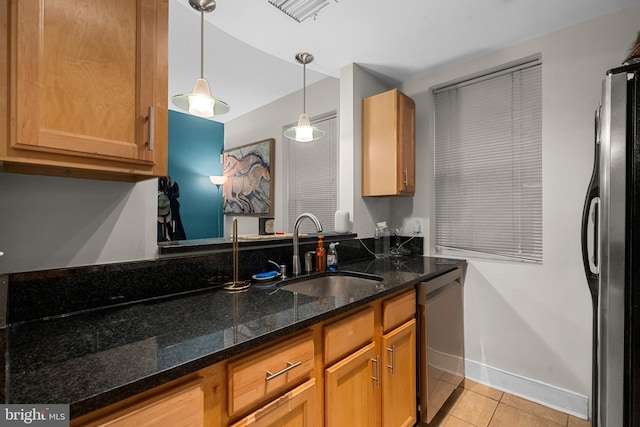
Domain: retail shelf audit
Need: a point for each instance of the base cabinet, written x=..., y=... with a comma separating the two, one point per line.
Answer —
x=398, y=380
x=294, y=409
x=351, y=395
x=356, y=370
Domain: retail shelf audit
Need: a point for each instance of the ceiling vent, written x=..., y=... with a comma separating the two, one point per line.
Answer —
x=299, y=10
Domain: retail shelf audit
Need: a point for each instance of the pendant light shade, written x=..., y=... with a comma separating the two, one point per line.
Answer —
x=200, y=102
x=304, y=132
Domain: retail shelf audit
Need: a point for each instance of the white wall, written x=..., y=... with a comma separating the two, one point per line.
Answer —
x=355, y=85
x=267, y=122
x=50, y=222
x=524, y=321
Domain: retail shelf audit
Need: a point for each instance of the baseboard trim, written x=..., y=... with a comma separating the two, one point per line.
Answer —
x=527, y=388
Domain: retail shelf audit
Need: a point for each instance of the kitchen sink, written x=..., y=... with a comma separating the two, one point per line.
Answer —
x=333, y=284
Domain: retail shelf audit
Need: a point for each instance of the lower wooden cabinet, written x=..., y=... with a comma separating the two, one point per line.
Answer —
x=182, y=406
x=294, y=409
x=351, y=395
x=357, y=370
x=375, y=385
x=398, y=380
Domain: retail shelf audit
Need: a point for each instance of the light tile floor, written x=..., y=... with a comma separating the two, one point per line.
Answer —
x=476, y=405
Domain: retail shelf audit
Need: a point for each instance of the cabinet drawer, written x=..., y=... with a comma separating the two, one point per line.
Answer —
x=399, y=309
x=265, y=373
x=296, y=408
x=180, y=407
x=347, y=335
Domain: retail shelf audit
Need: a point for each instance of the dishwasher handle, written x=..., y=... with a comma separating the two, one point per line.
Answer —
x=427, y=289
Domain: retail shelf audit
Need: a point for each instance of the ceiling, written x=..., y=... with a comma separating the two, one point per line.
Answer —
x=250, y=45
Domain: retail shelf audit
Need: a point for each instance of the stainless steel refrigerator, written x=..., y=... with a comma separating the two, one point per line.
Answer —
x=611, y=251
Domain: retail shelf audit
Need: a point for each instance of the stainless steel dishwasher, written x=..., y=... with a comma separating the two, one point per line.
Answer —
x=440, y=341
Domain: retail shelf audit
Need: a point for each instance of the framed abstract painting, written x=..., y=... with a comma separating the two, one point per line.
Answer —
x=249, y=186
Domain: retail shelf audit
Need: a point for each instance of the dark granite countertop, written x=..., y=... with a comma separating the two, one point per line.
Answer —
x=93, y=359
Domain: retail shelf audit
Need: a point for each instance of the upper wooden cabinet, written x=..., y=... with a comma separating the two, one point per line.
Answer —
x=87, y=88
x=388, y=145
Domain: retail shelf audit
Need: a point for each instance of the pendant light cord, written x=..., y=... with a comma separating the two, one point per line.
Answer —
x=304, y=87
x=202, y=44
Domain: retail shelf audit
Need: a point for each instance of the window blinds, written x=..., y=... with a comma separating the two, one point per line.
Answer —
x=313, y=176
x=488, y=165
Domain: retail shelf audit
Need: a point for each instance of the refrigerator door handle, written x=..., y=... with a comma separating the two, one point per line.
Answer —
x=590, y=233
x=592, y=229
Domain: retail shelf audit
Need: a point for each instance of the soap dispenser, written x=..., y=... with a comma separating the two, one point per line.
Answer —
x=321, y=259
x=332, y=257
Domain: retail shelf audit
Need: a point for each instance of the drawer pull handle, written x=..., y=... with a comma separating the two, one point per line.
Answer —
x=406, y=177
x=376, y=377
x=289, y=367
x=392, y=350
x=152, y=124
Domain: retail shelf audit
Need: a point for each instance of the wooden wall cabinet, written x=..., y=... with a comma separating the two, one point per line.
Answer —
x=87, y=88
x=388, y=145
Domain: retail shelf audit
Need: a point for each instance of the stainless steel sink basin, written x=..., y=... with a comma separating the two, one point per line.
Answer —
x=339, y=284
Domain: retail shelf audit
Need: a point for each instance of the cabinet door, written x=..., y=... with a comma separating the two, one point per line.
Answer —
x=399, y=405
x=352, y=390
x=388, y=153
x=89, y=79
x=294, y=409
x=406, y=145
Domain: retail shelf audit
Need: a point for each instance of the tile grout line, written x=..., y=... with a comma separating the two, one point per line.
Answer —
x=493, y=413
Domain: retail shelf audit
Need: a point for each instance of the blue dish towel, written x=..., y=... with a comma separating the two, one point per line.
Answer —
x=266, y=274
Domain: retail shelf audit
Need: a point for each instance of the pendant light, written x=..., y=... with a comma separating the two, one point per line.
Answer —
x=200, y=102
x=304, y=132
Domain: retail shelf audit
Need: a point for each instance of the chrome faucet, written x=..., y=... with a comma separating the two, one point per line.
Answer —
x=296, y=250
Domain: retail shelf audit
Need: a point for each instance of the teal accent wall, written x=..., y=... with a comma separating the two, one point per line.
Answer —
x=195, y=145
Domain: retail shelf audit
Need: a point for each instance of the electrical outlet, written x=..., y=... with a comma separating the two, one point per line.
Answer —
x=417, y=225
